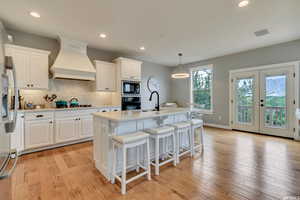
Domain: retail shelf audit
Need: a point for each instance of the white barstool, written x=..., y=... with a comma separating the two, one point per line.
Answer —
x=163, y=133
x=197, y=123
x=183, y=129
x=133, y=140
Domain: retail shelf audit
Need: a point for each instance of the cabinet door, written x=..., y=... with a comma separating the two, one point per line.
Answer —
x=130, y=70
x=38, y=133
x=106, y=76
x=38, y=71
x=21, y=63
x=66, y=130
x=86, y=126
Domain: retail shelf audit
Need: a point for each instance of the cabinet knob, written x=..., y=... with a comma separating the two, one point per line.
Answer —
x=51, y=122
x=31, y=85
x=106, y=88
x=28, y=85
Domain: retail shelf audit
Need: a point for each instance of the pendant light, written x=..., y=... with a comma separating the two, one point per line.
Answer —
x=179, y=72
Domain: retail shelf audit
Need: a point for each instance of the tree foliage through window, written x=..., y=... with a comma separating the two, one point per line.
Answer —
x=202, y=87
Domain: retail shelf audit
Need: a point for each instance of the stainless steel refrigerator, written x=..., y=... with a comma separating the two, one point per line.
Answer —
x=8, y=156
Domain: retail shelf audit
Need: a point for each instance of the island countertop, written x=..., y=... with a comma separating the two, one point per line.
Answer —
x=121, y=116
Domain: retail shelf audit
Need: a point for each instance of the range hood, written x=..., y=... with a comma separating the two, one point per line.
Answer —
x=72, y=61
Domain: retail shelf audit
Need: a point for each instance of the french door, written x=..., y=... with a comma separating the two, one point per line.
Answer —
x=263, y=101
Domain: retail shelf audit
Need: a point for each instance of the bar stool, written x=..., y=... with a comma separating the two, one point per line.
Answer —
x=183, y=129
x=133, y=140
x=163, y=133
x=195, y=124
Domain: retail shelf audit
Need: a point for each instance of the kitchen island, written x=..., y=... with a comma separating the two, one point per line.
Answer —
x=109, y=124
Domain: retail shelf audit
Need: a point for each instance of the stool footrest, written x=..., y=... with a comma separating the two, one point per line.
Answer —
x=136, y=177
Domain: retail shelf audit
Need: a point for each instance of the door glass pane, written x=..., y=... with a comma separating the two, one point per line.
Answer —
x=275, y=101
x=244, y=100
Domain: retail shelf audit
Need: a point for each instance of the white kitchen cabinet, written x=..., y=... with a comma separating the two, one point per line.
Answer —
x=105, y=76
x=129, y=69
x=66, y=129
x=86, y=126
x=17, y=137
x=38, y=129
x=31, y=66
x=38, y=133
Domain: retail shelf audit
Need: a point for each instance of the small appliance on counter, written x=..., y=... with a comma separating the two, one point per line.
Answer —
x=61, y=104
x=74, y=102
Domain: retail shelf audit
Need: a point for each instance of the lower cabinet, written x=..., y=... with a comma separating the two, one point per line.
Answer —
x=40, y=129
x=85, y=126
x=66, y=129
x=38, y=133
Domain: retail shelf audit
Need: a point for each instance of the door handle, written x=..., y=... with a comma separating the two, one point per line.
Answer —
x=13, y=155
x=9, y=65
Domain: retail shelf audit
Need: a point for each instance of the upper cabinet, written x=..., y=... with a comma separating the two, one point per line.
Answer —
x=31, y=66
x=129, y=69
x=105, y=76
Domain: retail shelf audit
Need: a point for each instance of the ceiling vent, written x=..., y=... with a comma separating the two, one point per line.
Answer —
x=262, y=32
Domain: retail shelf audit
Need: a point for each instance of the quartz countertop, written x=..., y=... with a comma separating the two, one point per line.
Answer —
x=121, y=116
x=65, y=109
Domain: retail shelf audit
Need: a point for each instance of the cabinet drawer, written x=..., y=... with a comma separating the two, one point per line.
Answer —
x=74, y=113
x=38, y=116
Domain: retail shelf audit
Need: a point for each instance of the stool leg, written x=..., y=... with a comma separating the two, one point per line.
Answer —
x=191, y=141
x=157, y=156
x=113, y=164
x=148, y=160
x=193, y=133
x=163, y=148
x=123, y=184
x=137, y=159
x=201, y=134
x=177, y=146
x=174, y=149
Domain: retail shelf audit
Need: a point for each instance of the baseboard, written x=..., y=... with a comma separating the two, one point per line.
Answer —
x=217, y=126
x=27, y=151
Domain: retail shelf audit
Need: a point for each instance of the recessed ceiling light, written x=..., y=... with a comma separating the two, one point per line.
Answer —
x=103, y=35
x=142, y=48
x=35, y=14
x=244, y=3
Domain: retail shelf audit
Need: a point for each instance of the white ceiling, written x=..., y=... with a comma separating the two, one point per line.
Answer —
x=200, y=29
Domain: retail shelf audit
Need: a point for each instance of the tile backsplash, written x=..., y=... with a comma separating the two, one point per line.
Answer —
x=66, y=89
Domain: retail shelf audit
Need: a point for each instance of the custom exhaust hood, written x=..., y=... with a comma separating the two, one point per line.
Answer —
x=72, y=61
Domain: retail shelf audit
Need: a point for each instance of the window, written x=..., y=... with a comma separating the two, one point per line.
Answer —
x=201, y=87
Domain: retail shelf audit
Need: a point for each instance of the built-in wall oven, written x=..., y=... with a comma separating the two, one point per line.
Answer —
x=131, y=88
x=131, y=103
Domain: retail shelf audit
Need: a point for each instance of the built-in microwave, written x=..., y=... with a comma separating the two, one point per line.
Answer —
x=131, y=88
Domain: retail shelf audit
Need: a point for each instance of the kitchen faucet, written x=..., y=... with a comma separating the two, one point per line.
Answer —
x=150, y=99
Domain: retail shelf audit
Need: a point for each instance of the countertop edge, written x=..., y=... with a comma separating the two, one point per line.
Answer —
x=65, y=109
x=141, y=118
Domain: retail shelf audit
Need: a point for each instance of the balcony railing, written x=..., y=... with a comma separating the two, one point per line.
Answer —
x=274, y=116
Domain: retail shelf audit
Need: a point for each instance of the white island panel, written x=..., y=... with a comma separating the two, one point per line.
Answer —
x=108, y=124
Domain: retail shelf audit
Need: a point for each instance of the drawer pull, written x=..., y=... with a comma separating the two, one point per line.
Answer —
x=38, y=116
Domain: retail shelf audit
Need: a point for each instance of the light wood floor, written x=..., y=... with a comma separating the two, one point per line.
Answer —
x=234, y=165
